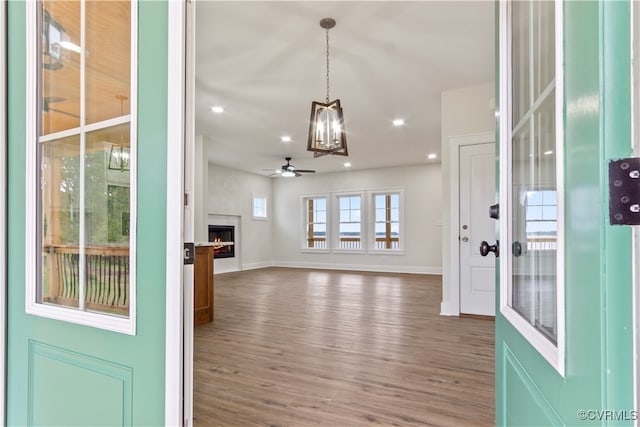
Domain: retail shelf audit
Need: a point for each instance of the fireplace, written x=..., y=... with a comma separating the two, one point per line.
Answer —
x=223, y=235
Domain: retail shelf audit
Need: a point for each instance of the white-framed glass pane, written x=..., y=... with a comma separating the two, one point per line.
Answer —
x=60, y=222
x=533, y=292
x=86, y=209
x=315, y=219
x=108, y=60
x=60, y=66
x=349, y=234
x=520, y=59
x=259, y=207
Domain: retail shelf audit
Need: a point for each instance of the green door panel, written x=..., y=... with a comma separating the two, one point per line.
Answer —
x=65, y=374
x=597, y=259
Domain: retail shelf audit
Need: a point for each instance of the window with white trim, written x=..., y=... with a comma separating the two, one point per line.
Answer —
x=259, y=206
x=315, y=228
x=83, y=167
x=349, y=221
x=387, y=221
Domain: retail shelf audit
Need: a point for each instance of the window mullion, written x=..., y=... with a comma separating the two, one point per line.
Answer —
x=82, y=240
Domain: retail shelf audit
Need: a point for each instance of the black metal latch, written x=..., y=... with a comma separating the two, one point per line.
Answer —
x=624, y=191
x=189, y=253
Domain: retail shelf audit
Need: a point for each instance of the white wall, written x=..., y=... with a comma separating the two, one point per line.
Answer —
x=465, y=111
x=422, y=231
x=230, y=192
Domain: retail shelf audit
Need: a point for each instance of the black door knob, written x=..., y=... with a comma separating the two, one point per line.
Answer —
x=494, y=211
x=485, y=248
x=516, y=249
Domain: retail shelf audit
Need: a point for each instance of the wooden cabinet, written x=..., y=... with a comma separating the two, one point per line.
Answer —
x=203, y=286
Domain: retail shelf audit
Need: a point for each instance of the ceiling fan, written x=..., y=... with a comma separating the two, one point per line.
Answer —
x=289, y=170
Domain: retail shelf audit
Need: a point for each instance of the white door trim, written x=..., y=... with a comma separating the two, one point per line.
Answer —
x=173, y=392
x=451, y=307
x=188, y=231
x=3, y=216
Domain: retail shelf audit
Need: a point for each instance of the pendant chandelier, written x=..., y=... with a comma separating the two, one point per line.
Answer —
x=326, y=125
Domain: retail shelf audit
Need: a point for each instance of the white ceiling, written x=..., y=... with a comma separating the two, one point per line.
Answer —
x=265, y=63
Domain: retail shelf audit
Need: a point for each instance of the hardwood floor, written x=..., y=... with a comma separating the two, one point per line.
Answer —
x=296, y=347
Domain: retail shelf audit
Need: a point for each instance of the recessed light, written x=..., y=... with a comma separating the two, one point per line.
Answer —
x=347, y=164
x=217, y=109
x=432, y=156
x=398, y=122
x=285, y=138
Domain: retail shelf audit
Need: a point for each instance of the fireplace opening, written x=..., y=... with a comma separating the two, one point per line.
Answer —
x=223, y=238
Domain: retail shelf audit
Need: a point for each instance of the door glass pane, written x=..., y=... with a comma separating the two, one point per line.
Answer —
x=534, y=222
x=60, y=66
x=520, y=56
x=108, y=59
x=85, y=177
x=60, y=222
x=107, y=218
x=544, y=46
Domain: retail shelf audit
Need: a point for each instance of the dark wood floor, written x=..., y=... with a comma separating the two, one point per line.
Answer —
x=295, y=347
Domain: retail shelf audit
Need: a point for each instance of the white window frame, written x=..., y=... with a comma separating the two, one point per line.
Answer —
x=371, y=241
x=335, y=222
x=304, y=216
x=126, y=325
x=554, y=354
x=254, y=198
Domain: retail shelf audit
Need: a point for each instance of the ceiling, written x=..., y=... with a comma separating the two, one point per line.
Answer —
x=264, y=62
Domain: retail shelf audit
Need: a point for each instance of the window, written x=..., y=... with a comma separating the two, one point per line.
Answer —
x=83, y=164
x=386, y=221
x=315, y=223
x=349, y=222
x=259, y=207
x=542, y=220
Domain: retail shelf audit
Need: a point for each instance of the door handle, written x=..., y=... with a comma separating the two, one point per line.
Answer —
x=494, y=211
x=516, y=249
x=485, y=248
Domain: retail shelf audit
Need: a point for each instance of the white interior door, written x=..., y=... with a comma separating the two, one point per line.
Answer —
x=477, y=193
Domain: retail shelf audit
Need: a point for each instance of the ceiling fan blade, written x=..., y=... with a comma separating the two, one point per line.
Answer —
x=297, y=174
x=305, y=171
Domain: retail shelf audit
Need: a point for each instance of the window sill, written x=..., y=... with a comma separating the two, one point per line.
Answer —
x=349, y=251
x=386, y=251
x=315, y=251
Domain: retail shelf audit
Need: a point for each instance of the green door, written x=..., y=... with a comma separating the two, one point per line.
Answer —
x=564, y=330
x=87, y=155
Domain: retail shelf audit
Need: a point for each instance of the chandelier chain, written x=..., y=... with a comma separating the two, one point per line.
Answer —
x=327, y=66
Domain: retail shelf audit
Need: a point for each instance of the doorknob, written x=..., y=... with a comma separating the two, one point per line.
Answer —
x=516, y=249
x=494, y=211
x=485, y=248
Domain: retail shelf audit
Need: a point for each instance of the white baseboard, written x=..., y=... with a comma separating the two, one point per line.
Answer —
x=447, y=309
x=256, y=265
x=361, y=267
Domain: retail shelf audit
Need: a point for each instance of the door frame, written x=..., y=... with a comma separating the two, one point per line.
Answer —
x=3, y=214
x=452, y=306
x=176, y=90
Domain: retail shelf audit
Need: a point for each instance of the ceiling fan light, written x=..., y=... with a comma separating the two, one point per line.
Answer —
x=288, y=174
